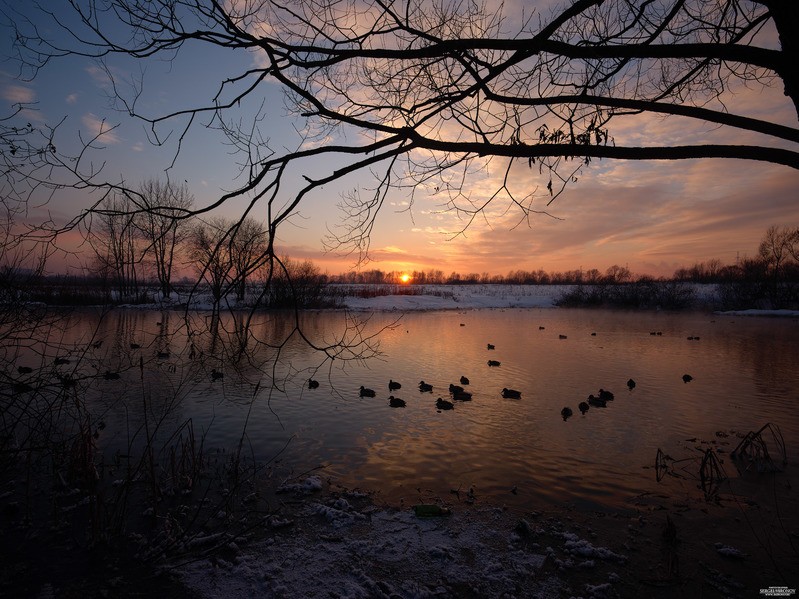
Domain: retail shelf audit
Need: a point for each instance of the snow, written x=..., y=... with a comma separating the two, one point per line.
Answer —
x=339, y=545
x=752, y=312
x=459, y=297
x=445, y=297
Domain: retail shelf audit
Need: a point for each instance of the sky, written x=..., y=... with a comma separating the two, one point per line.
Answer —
x=652, y=217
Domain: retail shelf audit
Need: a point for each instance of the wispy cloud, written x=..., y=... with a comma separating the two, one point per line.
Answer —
x=17, y=94
x=100, y=129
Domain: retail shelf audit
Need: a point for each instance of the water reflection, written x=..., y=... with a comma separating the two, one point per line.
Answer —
x=743, y=372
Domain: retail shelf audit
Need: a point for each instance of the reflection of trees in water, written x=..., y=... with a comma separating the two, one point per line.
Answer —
x=270, y=348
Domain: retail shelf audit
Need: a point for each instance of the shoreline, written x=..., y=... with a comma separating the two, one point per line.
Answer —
x=329, y=541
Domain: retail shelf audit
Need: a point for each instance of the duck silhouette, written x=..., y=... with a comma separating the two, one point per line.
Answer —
x=443, y=404
x=393, y=385
x=464, y=380
x=462, y=395
x=631, y=384
x=583, y=407
x=566, y=413
x=312, y=384
x=217, y=375
x=425, y=387
x=364, y=392
x=396, y=402
x=687, y=378
x=511, y=393
x=490, y=346
x=493, y=363
x=606, y=395
x=597, y=402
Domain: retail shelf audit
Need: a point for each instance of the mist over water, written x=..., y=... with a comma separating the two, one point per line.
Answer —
x=744, y=376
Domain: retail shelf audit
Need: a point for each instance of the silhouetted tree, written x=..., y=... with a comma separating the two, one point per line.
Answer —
x=163, y=225
x=113, y=237
x=777, y=251
x=226, y=253
x=422, y=93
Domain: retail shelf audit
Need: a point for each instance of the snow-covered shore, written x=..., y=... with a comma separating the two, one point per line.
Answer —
x=461, y=297
x=474, y=297
x=338, y=543
x=380, y=298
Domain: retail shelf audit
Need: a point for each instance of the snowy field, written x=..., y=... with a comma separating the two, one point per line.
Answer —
x=461, y=297
x=458, y=297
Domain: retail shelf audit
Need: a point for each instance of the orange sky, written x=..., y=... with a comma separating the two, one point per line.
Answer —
x=652, y=217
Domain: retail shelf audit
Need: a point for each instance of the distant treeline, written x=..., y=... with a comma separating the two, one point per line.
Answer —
x=770, y=279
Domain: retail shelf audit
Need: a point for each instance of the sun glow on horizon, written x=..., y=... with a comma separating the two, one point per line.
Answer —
x=405, y=277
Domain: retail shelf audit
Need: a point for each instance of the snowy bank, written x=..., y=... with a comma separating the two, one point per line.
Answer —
x=461, y=297
x=775, y=313
x=342, y=545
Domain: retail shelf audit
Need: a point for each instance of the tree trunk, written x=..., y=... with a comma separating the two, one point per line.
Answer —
x=786, y=17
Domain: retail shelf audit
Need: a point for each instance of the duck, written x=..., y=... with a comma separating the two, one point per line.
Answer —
x=566, y=413
x=687, y=378
x=24, y=369
x=464, y=380
x=493, y=363
x=396, y=402
x=393, y=385
x=312, y=384
x=606, y=395
x=631, y=384
x=60, y=361
x=425, y=387
x=455, y=388
x=462, y=395
x=111, y=376
x=597, y=402
x=490, y=346
x=511, y=393
x=562, y=337
x=217, y=375
x=583, y=407
x=135, y=346
x=443, y=404
x=364, y=392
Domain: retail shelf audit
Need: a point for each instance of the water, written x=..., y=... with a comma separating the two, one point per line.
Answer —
x=517, y=453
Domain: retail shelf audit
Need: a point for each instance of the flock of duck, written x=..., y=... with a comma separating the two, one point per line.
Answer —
x=458, y=393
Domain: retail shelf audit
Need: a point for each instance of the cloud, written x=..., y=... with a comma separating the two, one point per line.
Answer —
x=71, y=98
x=17, y=94
x=100, y=129
x=100, y=75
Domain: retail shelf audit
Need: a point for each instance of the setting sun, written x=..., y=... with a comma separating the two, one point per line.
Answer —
x=405, y=277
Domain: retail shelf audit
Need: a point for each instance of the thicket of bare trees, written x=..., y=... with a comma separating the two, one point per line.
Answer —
x=226, y=254
x=163, y=226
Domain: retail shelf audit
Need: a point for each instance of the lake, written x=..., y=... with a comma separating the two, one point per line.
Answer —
x=513, y=452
